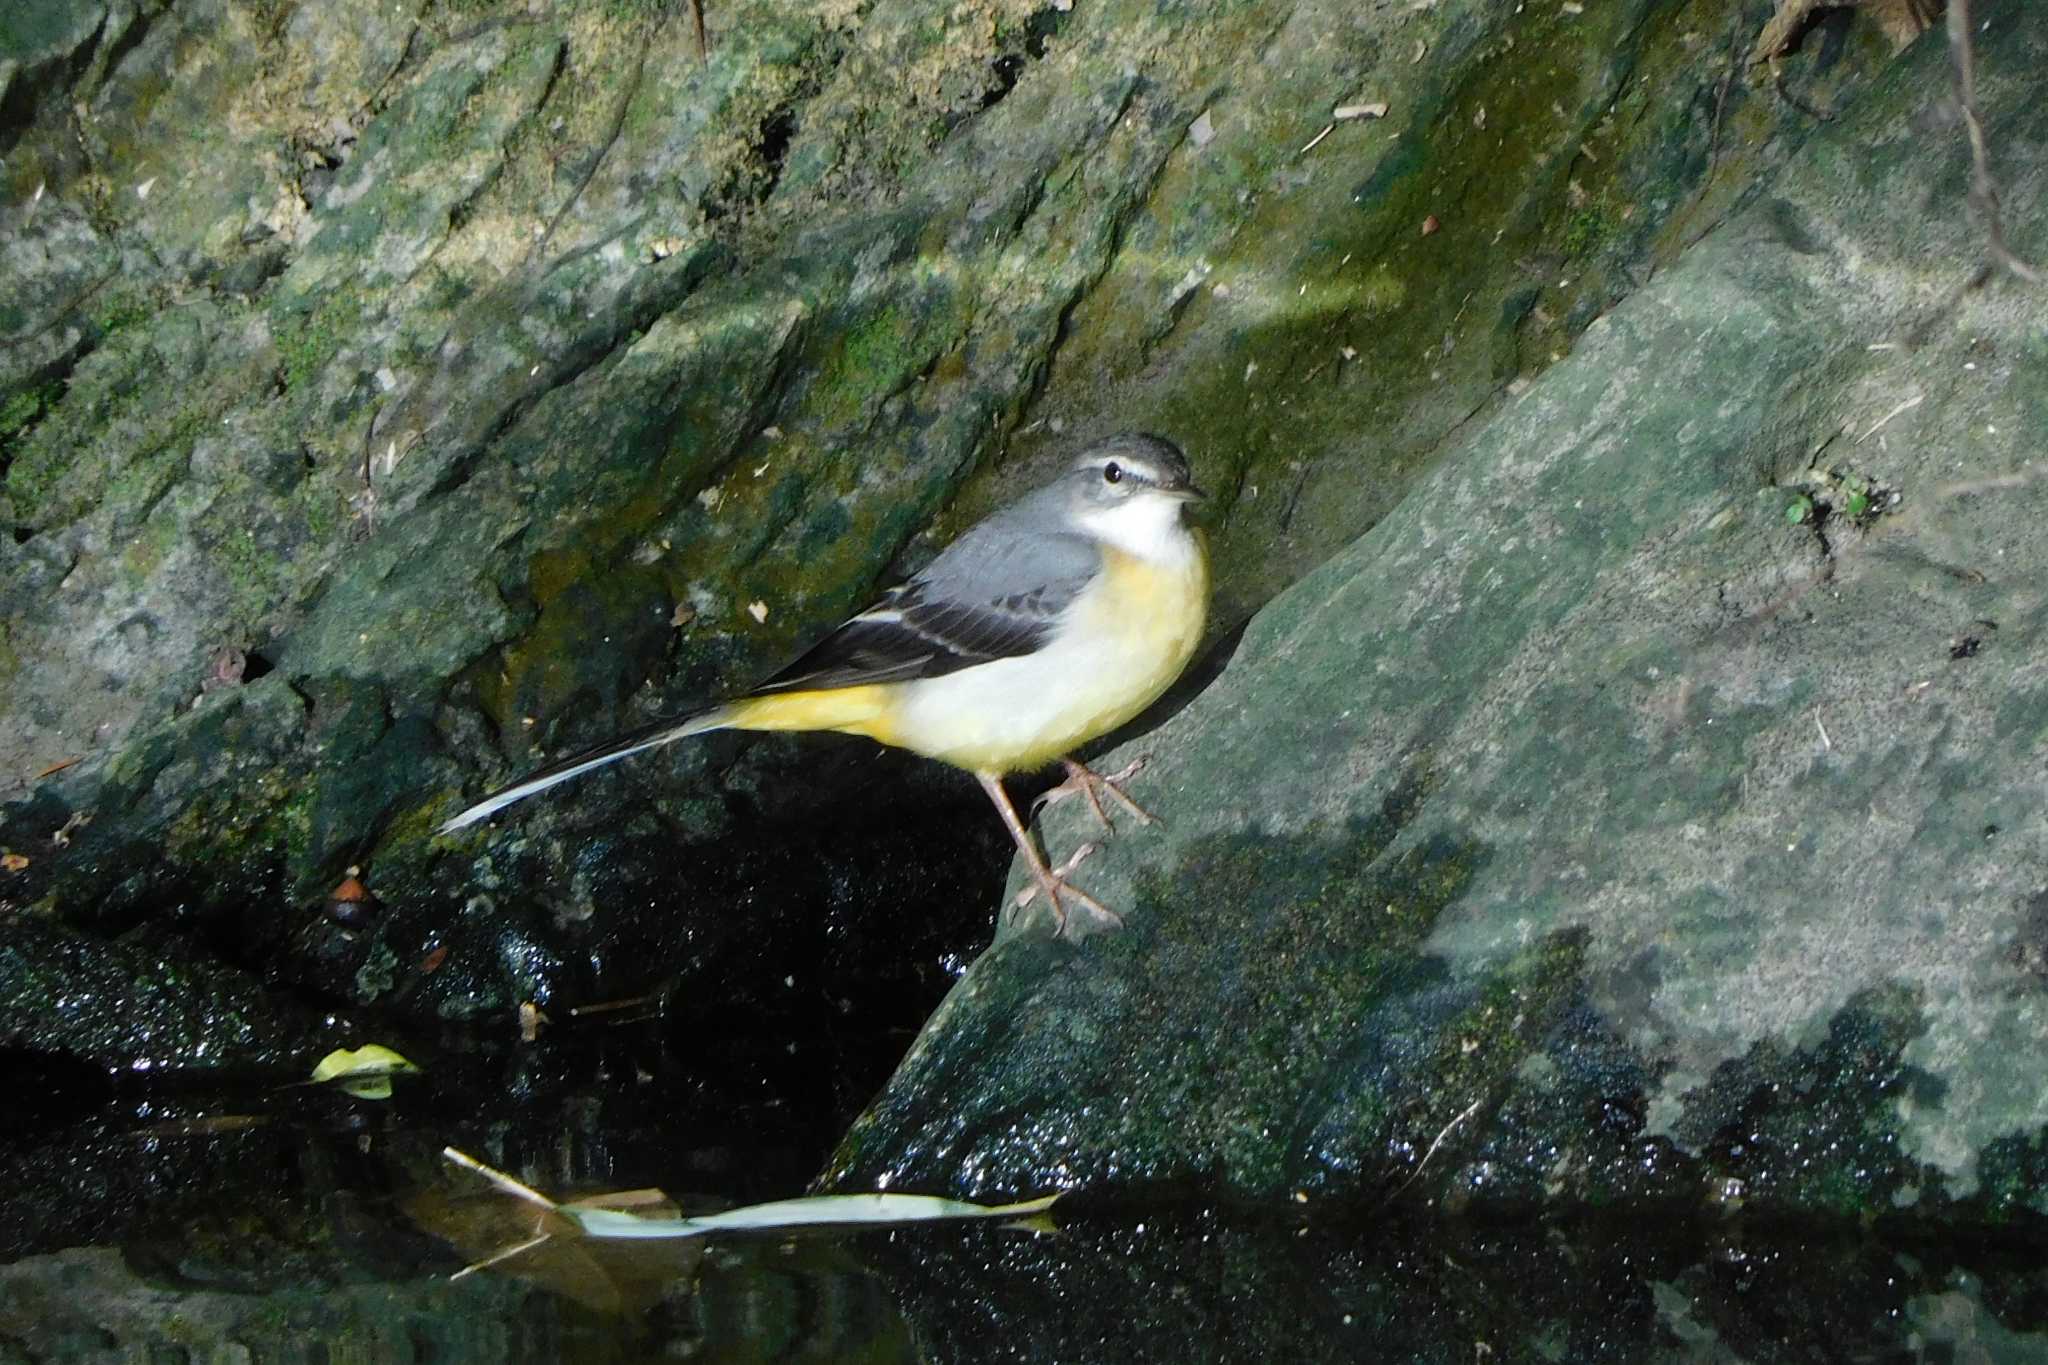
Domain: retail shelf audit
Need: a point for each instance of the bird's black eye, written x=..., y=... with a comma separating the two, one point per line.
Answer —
x=1112, y=472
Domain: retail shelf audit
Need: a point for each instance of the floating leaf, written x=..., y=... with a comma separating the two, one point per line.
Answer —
x=825, y=1210
x=365, y=1073
x=543, y=1248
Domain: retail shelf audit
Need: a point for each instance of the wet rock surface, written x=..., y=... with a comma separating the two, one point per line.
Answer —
x=387, y=405
x=1643, y=813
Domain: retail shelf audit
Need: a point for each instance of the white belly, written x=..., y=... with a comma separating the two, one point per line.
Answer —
x=1118, y=646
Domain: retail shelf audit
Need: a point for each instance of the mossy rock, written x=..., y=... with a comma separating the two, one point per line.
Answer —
x=1701, y=850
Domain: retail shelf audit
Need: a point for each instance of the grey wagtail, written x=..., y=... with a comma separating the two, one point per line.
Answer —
x=1047, y=625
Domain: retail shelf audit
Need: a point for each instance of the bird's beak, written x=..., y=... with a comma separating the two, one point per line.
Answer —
x=1190, y=493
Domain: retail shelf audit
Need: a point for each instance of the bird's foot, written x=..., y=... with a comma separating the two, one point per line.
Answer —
x=1083, y=780
x=1053, y=882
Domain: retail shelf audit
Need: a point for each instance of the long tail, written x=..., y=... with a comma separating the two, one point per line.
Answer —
x=632, y=742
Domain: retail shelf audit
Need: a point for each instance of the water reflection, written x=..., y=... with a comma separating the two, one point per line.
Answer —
x=299, y=1224
x=1176, y=1285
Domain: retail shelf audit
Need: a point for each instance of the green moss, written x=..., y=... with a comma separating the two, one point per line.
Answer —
x=253, y=571
x=1587, y=230
x=2012, y=1172
x=595, y=637
x=378, y=973
x=1307, y=949
x=879, y=348
x=880, y=354
x=1818, y=1129
x=1269, y=304
x=327, y=515
x=134, y=408
x=240, y=807
x=149, y=547
x=308, y=336
x=122, y=311
x=20, y=412
x=10, y=662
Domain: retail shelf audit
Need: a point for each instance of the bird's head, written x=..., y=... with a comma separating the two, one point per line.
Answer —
x=1129, y=490
x=1130, y=469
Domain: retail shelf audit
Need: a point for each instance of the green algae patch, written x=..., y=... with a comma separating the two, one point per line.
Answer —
x=19, y=414
x=1308, y=950
x=1401, y=276
x=2012, y=1172
x=1818, y=1129
x=594, y=636
x=310, y=331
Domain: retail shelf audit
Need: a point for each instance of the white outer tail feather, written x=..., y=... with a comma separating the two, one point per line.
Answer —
x=622, y=747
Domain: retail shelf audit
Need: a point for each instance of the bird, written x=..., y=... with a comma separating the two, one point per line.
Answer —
x=1046, y=625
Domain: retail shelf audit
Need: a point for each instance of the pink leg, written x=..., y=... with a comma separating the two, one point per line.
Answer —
x=1051, y=884
x=1083, y=780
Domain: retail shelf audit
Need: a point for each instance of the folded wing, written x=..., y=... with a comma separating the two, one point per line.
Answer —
x=994, y=594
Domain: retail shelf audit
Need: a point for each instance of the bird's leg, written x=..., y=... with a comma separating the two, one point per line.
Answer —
x=1029, y=891
x=1049, y=882
x=1083, y=780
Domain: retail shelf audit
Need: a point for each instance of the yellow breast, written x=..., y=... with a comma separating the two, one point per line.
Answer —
x=1120, y=644
x=1156, y=612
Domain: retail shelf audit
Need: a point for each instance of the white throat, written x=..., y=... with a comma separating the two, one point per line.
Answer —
x=1148, y=526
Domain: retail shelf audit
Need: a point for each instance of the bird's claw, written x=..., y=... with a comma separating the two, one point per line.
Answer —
x=1058, y=892
x=1085, y=781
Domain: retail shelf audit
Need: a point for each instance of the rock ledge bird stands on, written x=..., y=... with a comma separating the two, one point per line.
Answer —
x=1045, y=626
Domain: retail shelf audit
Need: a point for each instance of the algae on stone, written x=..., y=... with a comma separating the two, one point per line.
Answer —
x=1738, y=782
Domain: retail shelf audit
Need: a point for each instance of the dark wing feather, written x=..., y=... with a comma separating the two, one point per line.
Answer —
x=992, y=595
x=903, y=637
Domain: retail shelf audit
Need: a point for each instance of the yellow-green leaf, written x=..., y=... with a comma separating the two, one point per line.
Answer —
x=365, y=1072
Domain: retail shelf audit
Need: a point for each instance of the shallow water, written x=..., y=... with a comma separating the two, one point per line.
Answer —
x=174, y=1222
x=1185, y=1284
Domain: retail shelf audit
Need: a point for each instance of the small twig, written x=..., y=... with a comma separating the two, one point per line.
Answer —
x=703, y=42
x=500, y=1179
x=507, y=1254
x=1825, y=742
x=374, y=101
x=1999, y=483
x=1311, y=144
x=1294, y=500
x=1416, y=1174
x=66, y=310
x=1983, y=189
x=609, y=1006
x=1721, y=99
x=1916, y=336
x=1915, y=401
x=1813, y=460
x=1983, y=195
x=611, y=138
